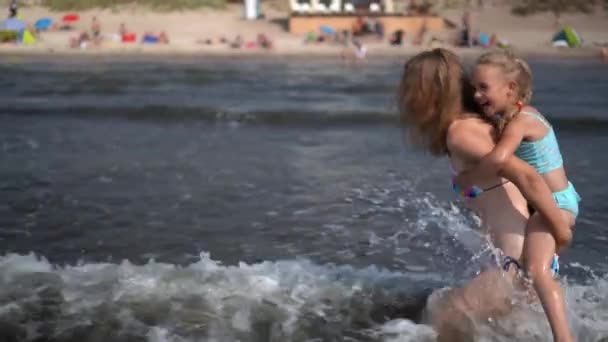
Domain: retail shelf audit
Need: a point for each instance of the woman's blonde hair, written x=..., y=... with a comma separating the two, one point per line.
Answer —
x=434, y=91
x=515, y=70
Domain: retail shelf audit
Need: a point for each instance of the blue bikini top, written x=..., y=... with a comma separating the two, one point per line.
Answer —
x=543, y=154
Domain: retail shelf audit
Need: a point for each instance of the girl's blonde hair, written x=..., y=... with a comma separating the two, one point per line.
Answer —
x=515, y=70
x=434, y=91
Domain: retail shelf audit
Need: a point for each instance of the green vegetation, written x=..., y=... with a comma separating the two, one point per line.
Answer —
x=64, y=5
x=525, y=7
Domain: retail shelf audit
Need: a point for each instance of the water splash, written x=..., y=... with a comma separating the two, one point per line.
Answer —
x=292, y=300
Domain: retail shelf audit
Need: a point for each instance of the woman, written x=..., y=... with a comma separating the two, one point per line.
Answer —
x=436, y=104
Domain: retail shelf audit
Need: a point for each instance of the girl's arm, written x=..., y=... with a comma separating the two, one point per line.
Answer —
x=491, y=164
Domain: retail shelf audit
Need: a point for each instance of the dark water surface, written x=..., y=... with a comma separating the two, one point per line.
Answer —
x=260, y=200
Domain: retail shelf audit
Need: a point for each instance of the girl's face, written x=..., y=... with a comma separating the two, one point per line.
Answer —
x=493, y=92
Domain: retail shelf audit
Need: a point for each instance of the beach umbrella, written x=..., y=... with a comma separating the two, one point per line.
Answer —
x=327, y=29
x=71, y=18
x=43, y=23
x=13, y=24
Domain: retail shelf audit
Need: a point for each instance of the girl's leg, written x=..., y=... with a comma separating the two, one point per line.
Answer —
x=539, y=248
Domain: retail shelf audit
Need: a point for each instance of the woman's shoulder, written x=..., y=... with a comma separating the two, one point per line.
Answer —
x=469, y=124
x=470, y=130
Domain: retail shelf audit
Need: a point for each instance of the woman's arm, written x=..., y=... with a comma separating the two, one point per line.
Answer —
x=471, y=141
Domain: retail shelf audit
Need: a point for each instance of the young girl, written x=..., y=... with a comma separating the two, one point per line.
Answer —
x=503, y=89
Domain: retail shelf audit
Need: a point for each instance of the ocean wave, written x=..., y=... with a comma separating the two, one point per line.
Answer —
x=270, y=301
x=289, y=300
x=278, y=117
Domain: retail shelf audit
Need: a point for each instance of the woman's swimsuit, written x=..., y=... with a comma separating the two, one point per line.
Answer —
x=473, y=191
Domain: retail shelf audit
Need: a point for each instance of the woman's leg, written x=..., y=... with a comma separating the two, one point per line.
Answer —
x=490, y=293
x=454, y=313
x=539, y=248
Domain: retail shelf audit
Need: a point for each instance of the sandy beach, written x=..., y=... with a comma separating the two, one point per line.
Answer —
x=189, y=192
x=188, y=31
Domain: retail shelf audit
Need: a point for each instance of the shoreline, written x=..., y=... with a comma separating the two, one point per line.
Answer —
x=530, y=36
x=301, y=52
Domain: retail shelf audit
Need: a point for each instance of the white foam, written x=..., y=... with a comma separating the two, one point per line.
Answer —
x=402, y=330
x=13, y=265
x=209, y=301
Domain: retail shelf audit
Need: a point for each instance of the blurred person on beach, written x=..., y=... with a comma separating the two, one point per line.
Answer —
x=359, y=49
x=237, y=43
x=163, y=38
x=95, y=27
x=81, y=41
x=96, y=36
x=263, y=41
x=503, y=91
x=12, y=9
x=465, y=33
x=353, y=52
x=436, y=104
x=397, y=38
x=122, y=29
x=421, y=35
x=358, y=26
x=151, y=38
